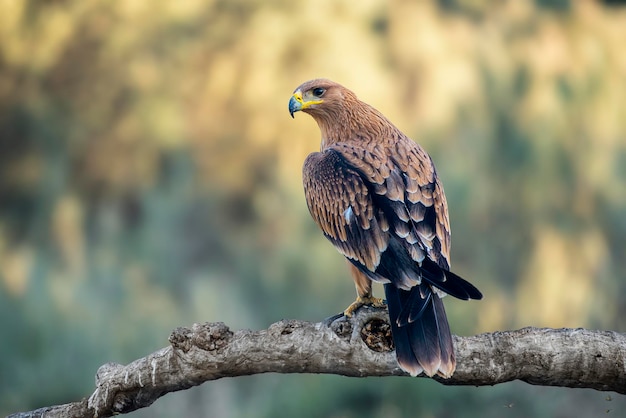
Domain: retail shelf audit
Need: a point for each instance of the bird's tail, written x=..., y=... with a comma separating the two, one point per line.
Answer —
x=420, y=331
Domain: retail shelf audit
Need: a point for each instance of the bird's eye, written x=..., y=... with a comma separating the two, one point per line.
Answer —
x=318, y=91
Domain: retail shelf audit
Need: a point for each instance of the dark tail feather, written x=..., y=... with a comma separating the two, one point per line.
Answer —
x=396, y=299
x=448, y=282
x=448, y=360
x=424, y=343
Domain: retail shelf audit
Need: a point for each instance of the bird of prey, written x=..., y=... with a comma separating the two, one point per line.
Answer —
x=376, y=196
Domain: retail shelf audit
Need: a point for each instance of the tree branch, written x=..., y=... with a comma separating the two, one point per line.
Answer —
x=360, y=346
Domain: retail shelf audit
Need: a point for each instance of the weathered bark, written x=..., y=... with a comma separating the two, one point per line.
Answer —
x=360, y=346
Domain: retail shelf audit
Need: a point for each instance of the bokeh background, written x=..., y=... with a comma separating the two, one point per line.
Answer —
x=150, y=178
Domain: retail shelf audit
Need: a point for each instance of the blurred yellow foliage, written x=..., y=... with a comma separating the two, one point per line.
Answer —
x=560, y=287
x=149, y=166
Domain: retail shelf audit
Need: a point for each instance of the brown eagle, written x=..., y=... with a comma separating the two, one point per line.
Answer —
x=376, y=196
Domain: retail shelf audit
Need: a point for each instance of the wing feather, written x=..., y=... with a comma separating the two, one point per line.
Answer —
x=387, y=198
x=340, y=203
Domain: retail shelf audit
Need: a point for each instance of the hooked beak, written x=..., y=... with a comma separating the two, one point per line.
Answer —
x=295, y=103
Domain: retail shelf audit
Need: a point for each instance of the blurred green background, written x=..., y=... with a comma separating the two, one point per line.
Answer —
x=150, y=178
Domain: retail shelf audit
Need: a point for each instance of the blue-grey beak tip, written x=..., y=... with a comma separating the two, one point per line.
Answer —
x=294, y=106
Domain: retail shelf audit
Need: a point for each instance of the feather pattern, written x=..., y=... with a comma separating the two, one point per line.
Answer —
x=376, y=196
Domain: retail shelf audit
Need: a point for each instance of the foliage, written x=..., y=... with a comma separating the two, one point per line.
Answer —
x=149, y=178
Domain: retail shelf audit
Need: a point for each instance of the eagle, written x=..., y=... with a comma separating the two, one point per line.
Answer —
x=376, y=196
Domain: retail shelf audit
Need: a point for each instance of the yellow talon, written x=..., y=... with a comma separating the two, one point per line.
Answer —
x=362, y=301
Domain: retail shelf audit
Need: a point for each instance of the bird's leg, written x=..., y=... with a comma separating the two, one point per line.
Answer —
x=364, y=293
x=363, y=301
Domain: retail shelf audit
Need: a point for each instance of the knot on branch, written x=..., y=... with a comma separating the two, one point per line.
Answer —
x=210, y=336
x=376, y=334
x=370, y=324
x=342, y=327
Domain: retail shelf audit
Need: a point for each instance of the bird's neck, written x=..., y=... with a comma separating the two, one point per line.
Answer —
x=357, y=123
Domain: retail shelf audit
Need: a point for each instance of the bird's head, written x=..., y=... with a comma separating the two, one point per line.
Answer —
x=319, y=98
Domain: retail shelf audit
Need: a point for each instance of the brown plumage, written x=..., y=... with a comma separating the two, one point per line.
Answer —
x=376, y=196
